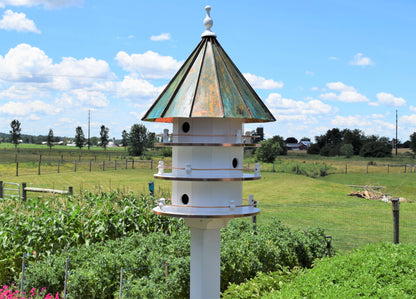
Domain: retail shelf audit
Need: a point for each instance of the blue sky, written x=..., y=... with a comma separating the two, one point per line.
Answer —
x=317, y=64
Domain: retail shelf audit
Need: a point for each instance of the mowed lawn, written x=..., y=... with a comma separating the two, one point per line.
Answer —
x=296, y=200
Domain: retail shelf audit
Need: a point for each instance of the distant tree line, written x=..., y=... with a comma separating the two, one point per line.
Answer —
x=348, y=142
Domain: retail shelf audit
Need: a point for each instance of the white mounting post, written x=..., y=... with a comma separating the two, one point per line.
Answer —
x=205, y=256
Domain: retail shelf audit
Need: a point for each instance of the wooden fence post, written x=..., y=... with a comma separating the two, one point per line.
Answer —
x=126, y=164
x=70, y=190
x=1, y=189
x=58, y=165
x=115, y=164
x=103, y=165
x=132, y=164
x=405, y=166
x=75, y=165
x=90, y=164
x=24, y=193
x=395, y=207
x=151, y=164
x=17, y=168
x=388, y=168
x=39, y=167
x=346, y=168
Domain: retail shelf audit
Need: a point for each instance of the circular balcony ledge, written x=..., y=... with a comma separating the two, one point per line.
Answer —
x=207, y=144
x=206, y=212
x=170, y=177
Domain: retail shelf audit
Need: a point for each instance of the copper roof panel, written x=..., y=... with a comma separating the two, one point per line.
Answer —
x=208, y=99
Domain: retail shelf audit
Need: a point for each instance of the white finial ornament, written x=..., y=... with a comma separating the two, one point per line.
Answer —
x=208, y=23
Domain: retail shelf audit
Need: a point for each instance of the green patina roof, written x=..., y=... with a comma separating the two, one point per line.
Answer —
x=209, y=85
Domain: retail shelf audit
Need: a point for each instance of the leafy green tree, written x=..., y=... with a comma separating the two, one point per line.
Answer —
x=50, y=139
x=413, y=142
x=138, y=139
x=15, y=132
x=347, y=150
x=124, y=138
x=270, y=149
x=291, y=140
x=79, y=137
x=104, y=136
x=378, y=147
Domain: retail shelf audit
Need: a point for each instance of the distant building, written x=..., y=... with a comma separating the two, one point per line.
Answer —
x=302, y=145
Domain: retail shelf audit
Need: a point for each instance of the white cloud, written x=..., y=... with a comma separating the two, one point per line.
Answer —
x=50, y=4
x=262, y=83
x=412, y=108
x=351, y=121
x=160, y=37
x=333, y=58
x=150, y=65
x=390, y=100
x=409, y=120
x=288, y=106
x=28, y=107
x=347, y=94
x=339, y=86
x=309, y=73
x=25, y=63
x=314, y=88
x=18, y=22
x=360, y=59
x=136, y=89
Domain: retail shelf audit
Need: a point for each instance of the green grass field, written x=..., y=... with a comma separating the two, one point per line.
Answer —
x=297, y=200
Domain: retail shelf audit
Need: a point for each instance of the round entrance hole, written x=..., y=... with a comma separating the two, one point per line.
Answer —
x=185, y=199
x=185, y=127
x=235, y=163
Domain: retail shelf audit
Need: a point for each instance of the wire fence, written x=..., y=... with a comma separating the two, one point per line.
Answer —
x=41, y=167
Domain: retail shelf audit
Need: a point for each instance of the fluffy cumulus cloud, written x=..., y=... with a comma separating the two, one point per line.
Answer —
x=390, y=100
x=262, y=83
x=361, y=59
x=25, y=63
x=28, y=107
x=160, y=37
x=50, y=4
x=284, y=106
x=136, y=89
x=346, y=94
x=150, y=65
x=412, y=108
x=17, y=22
x=354, y=121
x=408, y=120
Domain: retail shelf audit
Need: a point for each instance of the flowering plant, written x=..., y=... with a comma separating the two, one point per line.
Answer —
x=12, y=292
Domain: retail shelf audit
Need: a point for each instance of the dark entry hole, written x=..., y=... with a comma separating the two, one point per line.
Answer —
x=185, y=127
x=185, y=199
x=235, y=162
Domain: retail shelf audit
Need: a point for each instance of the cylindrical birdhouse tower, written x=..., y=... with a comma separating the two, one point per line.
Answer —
x=207, y=101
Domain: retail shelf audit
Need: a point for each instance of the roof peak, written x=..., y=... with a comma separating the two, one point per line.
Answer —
x=208, y=23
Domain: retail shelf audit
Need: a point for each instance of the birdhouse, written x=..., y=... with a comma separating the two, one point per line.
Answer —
x=207, y=101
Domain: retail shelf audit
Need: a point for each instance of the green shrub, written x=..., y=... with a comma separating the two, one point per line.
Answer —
x=374, y=271
x=95, y=269
x=262, y=284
